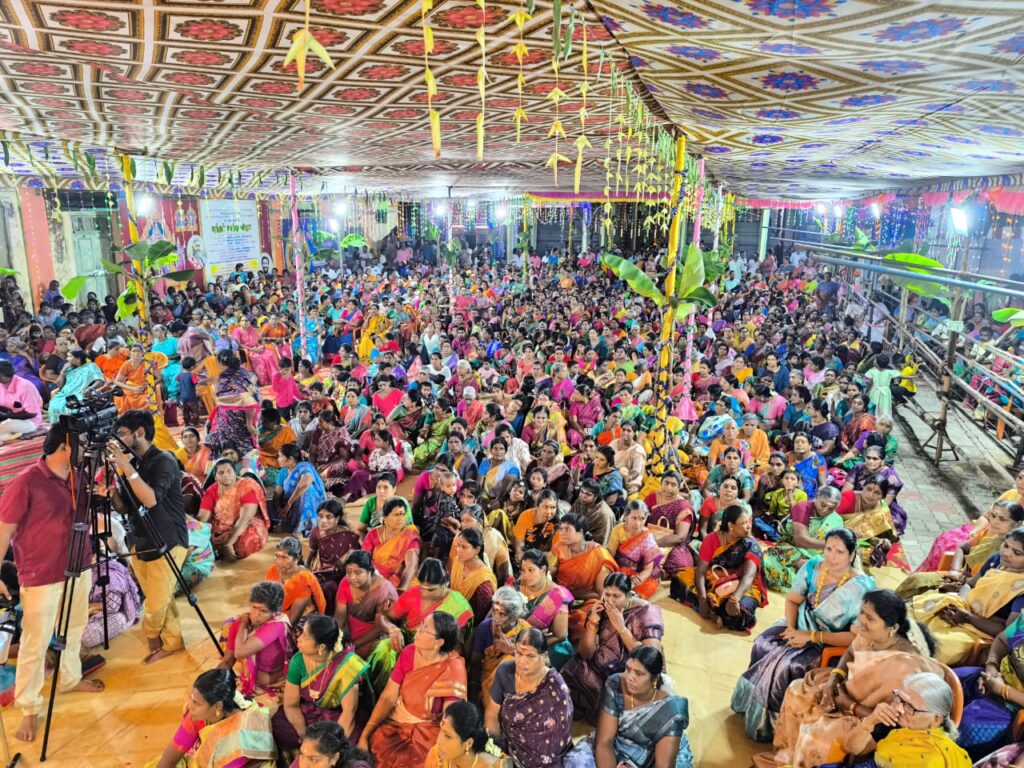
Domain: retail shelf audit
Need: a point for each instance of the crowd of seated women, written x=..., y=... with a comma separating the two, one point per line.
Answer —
x=515, y=590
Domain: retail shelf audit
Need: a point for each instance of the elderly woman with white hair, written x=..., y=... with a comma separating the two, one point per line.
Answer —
x=494, y=641
x=913, y=728
x=464, y=377
x=470, y=408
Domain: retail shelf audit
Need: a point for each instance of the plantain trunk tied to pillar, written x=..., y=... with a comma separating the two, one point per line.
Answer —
x=141, y=267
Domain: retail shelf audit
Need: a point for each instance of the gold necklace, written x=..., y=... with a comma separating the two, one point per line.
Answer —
x=632, y=699
x=821, y=583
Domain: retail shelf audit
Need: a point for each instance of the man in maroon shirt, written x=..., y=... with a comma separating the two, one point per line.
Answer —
x=36, y=515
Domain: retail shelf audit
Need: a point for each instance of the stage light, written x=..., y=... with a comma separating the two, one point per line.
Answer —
x=820, y=208
x=440, y=209
x=838, y=210
x=471, y=205
x=960, y=222
x=876, y=211
x=501, y=212
x=332, y=224
x=144, y=206
x=339, y=208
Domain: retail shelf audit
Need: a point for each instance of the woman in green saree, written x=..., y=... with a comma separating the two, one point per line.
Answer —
x=322, y=684
x=802, y=536
x=434, y=433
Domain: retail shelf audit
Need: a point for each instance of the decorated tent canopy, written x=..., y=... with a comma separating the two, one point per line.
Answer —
x=794, y=98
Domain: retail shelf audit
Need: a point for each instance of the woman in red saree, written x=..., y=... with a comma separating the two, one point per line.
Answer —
x=406, y=721
x=636, y=551
x=237, y=511
x=672, y=510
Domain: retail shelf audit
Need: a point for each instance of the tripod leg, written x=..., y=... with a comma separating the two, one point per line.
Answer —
x=192, y=599
x=67, y=597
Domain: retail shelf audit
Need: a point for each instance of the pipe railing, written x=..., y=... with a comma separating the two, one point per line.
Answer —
x=936, y=365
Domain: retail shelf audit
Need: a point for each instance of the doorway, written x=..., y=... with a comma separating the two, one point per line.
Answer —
x=92, y=241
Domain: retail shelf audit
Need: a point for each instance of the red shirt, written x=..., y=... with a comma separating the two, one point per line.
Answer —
x=38, y=502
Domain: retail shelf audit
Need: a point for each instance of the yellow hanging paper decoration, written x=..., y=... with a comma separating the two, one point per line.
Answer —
x=620, y=119
x=556, y=95
x=426, y=6
x=520, y=18
x=481, y=78
x=303, y=41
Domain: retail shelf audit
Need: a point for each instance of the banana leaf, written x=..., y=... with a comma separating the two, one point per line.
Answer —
x=702, y=297
x=73, y=287
x=693, y=270
x=353, y=240
x=180, y=276
x=634, y=277
x=1007, y=314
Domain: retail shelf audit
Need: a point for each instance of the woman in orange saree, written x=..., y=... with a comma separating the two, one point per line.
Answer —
x=428, y=676
x=581, y=567
x=636, y=551
x=132, y=381
x=395, y=544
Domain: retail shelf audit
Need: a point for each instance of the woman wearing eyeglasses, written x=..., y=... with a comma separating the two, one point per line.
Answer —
x=428, y=676
x=917, y=726
x=823, y=712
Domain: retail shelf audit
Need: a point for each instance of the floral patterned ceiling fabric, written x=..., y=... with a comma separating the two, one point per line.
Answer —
x=822, y=98
x=205, y=83
x=785, y=98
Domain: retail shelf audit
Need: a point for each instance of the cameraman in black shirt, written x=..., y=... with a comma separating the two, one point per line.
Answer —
x=155, y=480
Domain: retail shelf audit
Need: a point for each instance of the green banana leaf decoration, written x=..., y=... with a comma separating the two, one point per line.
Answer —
x=353, y=240
x=634, y=277
x=1011, y=315
x=912, y=262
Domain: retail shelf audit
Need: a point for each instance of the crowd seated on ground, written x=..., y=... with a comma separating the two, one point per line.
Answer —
x=473, y=524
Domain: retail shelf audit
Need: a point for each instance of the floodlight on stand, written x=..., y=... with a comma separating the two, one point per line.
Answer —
x=144, y=205
x=876, y=211
x=959, y=218
x=339, y=208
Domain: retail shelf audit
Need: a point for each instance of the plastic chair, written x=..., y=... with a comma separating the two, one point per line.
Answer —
x=958, y=694
x=832, y=653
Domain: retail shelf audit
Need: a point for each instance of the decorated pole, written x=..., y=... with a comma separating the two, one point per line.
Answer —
x=162, y=438
x=688, y=363
x=299, y=272
x=660, y=454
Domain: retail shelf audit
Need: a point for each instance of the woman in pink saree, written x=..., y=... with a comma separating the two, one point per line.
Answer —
x=262, y=358
x=258, y=645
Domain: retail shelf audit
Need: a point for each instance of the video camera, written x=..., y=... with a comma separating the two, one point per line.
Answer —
x=92, y=418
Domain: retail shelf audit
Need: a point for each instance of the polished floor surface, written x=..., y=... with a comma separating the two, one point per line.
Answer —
x=130, y=723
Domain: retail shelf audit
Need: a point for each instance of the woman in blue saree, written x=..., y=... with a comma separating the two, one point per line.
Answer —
x=810, y=465
x=167, y=345
x=313, y=331
x=821, y=606
x=76, y=378
x=300, y=491
x=993, y=694
x=642, y=724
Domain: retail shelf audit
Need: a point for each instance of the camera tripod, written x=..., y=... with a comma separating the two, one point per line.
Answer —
x=92, y=518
